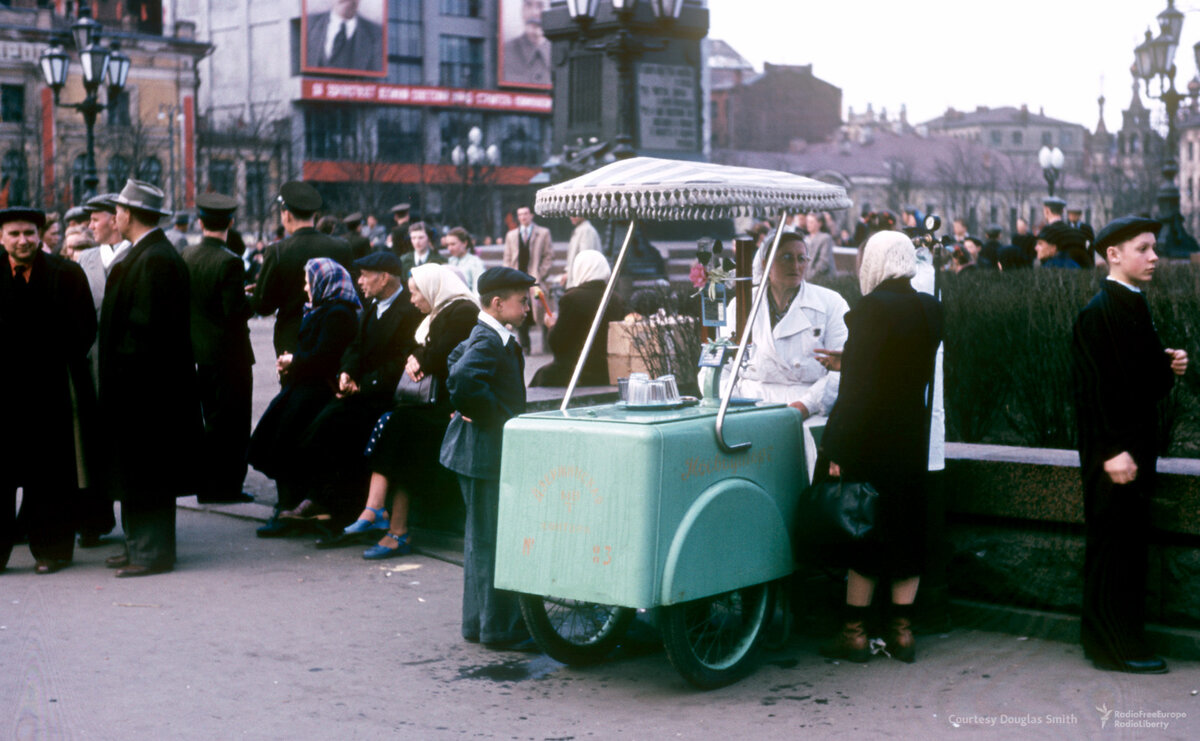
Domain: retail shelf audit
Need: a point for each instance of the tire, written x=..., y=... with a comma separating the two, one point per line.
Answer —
x=575, y=633
x=715, y=641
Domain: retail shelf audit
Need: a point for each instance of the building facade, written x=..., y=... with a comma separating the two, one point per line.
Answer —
x=782, y=108
x=144, y=132
x=370, y=131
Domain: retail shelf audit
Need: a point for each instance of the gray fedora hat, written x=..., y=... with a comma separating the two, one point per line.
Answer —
x=138, y=195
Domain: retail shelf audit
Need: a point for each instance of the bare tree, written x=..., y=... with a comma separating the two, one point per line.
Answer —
x=901, y=181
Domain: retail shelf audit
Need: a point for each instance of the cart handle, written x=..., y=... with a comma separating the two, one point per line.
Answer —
x=600, y=312
x=741, y=350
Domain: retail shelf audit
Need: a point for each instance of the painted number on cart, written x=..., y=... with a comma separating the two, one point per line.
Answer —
x=602, y=554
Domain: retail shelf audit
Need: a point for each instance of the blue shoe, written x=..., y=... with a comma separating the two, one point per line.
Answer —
x=364, y=526
x=376, y=552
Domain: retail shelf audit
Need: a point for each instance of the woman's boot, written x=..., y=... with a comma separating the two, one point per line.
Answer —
x=899, y=636
x=850, y=643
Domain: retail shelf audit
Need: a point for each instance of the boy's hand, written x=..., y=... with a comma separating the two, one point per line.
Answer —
x=1179, y=360
x=1121, y=468
x=831, y=359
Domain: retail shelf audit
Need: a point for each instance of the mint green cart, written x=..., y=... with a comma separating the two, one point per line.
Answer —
x=608, y=510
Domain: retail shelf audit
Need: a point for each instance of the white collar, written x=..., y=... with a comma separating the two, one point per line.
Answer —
x=1133, y=288
x=336, y=22
x=495, y=324
x=385, y=304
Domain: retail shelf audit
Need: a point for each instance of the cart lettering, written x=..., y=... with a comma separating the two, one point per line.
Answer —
x=727, y=464
x=565, y=527
x=582, y=482
x=526, y=546
x=602, y=554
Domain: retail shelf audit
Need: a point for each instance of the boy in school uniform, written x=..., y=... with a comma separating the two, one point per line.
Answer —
x=1121, y=372
x=487, y=388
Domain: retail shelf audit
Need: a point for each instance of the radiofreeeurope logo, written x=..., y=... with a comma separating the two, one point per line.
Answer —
x=1140, y=719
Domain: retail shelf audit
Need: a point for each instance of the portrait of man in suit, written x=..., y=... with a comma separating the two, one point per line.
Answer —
x=525, y=55
x=344, y=36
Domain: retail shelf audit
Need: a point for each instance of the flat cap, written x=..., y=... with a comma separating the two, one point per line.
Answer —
x=23, y=213
x=1062, y=236
x=103, y=202
x=213, y=204
x=76, y=213
x=499, y=279
x=401, y=208
x=354, y=218
x=1123, y=229
x=298, y=196
x=382, y=262
x=993, y=231
x=181, y=218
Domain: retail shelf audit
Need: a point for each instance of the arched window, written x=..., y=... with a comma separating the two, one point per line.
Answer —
x=78, y=173
x=118, y=173
x=14, y=177
x=150, y=170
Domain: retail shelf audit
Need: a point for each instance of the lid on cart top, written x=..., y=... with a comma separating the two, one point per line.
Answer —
x=675, y=190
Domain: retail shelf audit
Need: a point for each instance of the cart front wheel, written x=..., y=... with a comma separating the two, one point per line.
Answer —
x=575, y=633
x=715, y=641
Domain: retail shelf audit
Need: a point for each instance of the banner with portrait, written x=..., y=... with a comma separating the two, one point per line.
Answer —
x=344, y=37
x=524, y=51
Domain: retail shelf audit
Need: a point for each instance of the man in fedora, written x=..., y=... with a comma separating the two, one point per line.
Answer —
x=47, y=323
x=221, y=345
x=280, y=288
x=148, y=399
x=401, y=245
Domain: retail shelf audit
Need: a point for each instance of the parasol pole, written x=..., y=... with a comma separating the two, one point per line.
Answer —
x=745, y=340
x=603, y=308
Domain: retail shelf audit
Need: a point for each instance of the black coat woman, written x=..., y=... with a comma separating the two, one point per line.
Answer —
x=878, y=432
x=569, y=328
x=309, y=379
x=404, y=446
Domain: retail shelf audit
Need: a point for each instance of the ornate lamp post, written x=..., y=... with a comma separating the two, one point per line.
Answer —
x=100, y=65
x=1051, y=161
x=624, y=47
x=1154, y=59
x=470, y=163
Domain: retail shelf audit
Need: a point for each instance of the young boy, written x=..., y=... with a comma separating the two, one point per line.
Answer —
x=487, y=388
x=1121, y=372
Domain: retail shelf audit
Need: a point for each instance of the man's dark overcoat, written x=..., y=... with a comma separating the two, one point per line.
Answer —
x=280, y=287
x=148, y=396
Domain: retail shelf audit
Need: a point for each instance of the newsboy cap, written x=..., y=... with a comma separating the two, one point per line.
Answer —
x=105, y=202
x=383, y=262
x=298, y=196
x=76, y=213
x=1123, y=229
x=1063, y=236
x=500, y=279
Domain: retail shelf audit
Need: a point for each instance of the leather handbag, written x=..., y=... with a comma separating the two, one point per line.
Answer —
x=412, y=393
x=836, y=512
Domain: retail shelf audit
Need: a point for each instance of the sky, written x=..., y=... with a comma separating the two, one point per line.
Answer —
x=1056, y=55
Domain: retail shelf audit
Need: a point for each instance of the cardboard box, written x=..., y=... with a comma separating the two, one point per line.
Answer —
x=623, y=357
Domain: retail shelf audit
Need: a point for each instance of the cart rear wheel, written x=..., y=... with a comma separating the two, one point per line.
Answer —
x=715, y=641
x=576, y=633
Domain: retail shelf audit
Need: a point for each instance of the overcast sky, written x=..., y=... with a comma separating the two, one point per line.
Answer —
x=931, y=54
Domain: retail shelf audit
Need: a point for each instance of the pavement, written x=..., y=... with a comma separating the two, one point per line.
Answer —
x=270, y=638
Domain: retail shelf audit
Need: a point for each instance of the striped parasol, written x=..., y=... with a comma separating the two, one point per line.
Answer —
x=675, y=190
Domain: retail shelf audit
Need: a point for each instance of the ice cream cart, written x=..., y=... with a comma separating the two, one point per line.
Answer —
x=682, y=509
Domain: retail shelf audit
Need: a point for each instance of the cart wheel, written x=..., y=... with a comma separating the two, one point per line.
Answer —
x=575, y=633
x=715, y=641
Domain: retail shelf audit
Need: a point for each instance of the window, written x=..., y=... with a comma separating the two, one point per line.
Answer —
x=118, y=112
x=257, y=175
x=401, y=135
x=467, y=8
x=461, y=62
x=1190, y=183
x=150, y=170
x=1191, y=151
x=583, y=107
x=78, y=172
x=405, y=49
x=997, y=138
x=453, y=127
x=12, y=103
x=118, y=173
x=521, y=140
x=13, y=176
x=1065, y=139
x=330, y=133
x=1047, y=138
x=1018, y=138
x=222, y=176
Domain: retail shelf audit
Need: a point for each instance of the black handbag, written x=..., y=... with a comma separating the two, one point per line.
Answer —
x=835, y=512
x=410, y=393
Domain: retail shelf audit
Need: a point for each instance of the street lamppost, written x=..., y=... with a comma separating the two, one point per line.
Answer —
x=1051, y=161
x=1154, y=58
x=624, y=47
x=99, y=64
x=470, y=163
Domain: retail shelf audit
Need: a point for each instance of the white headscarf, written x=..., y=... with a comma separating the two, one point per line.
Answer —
x=440, y=286
x=588, y=265
x=886, y=255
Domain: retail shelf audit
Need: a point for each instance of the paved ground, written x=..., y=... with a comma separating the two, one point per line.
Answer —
x=272, y=639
